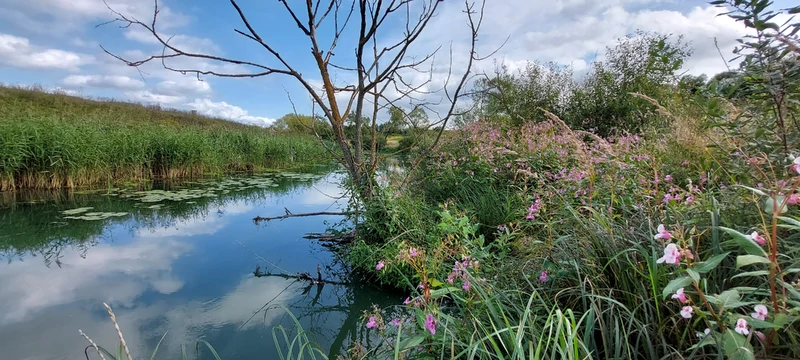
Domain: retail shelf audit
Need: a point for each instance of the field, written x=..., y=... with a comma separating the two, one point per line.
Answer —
x=53, y=140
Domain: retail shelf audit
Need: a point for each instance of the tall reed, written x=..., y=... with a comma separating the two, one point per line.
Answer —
x=59, y=141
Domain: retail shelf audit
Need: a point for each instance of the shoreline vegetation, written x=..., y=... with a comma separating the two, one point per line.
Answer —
x=54, y=140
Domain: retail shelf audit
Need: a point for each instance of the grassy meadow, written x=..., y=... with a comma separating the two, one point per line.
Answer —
x=53, y=140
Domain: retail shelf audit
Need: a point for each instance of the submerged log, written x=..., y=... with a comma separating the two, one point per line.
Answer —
x=303, y=276
x=258, y=219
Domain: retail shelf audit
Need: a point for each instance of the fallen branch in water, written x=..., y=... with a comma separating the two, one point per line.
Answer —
x=258, y=219
x=299, y=276
x=336, y=238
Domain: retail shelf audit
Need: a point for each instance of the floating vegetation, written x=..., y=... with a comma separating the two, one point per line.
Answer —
x=96, y=215
x=76, y=211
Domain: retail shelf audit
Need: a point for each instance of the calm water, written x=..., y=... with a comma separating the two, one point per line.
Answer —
x=177, y=262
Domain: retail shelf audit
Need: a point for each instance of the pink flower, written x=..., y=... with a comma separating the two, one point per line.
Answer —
x=543, y=276
x=413, y=252
x=681, y=296
x=534, y=209
x=741, y=327
x=380, y=265
x=687, y=311
x=757, y=238
x=760, y=313
x=668, y=178
x=671, y=255
x=430, y=324
x=662, y=233
x=371, y=324
x=466, y=286
x=395, y=322
x=760, y=335
x=796, y=165
x=407, y=301
x=793, y=199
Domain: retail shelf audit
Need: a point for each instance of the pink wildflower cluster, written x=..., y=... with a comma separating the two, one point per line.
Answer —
x=409, y=253
x=461, y=271
x=534, y=209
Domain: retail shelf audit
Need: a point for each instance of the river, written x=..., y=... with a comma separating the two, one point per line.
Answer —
x=175, y=261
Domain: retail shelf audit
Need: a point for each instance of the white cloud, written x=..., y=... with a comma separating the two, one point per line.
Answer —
x=145, y=263
x=183, y=85
x=227, y=111
x=148, y=97
x=107, y=81
x=18, y=52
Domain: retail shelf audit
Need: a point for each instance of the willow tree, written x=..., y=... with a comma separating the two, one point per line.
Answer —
x=384, y=61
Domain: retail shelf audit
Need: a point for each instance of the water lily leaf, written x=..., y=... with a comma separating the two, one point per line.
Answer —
x=76, y=211
x=97, y=215
x=746, y=243
x=744, y=260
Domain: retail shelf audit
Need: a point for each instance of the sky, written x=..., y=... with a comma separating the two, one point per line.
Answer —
x=56, y=44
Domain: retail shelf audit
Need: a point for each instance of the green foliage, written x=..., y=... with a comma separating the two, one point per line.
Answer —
x=55, y=140
x=643, y=63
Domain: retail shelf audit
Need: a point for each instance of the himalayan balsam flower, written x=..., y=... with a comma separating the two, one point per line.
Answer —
x=741, y=327
x=380, y=266
x=686, y=312
x=543, y=276
x=680, y=296
x=757, y=238
x=430, y=324
x=704, y=333
x=662, y=233
x=371, y=324
x=760, y=313
x=793, y=199
x=671, y=255
x=760, y=335
x=395, y=322
x=466, y=286
x=407, y=301
x=796, y=165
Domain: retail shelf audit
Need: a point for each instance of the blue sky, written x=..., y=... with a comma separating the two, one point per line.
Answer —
x=55, y=43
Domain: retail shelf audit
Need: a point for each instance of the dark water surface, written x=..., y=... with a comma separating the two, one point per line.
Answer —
x=177, y=262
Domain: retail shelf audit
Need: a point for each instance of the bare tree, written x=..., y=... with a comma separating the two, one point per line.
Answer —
x=376, y=68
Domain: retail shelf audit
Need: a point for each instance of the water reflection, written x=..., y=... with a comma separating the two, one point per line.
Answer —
x=183, y=269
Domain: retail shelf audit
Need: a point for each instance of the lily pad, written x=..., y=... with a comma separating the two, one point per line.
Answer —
x=76, y=211
x=97, y=215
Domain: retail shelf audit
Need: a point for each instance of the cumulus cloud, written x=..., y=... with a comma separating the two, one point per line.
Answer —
x=148, y=97
x=18, y=52
x=106, y=81
x=227, y=111
x=183, y=86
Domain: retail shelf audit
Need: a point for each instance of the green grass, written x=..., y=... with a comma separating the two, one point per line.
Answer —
x=53, y=140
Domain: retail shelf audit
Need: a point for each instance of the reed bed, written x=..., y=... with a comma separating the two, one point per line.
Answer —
x=53, y=140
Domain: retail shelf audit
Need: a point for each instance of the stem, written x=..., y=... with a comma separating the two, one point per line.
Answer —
x=710, y=309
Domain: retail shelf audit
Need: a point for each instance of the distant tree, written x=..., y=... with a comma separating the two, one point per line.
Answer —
x=644, y=63
x=382, y=56
x=520, y=97
x=304, y=124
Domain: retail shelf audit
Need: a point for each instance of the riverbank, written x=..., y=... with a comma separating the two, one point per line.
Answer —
x=53, y=140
